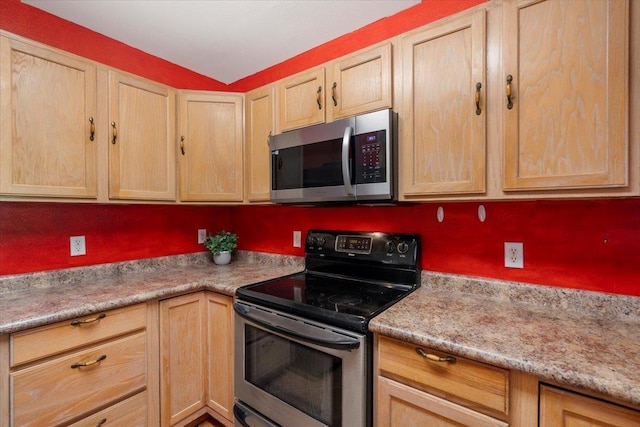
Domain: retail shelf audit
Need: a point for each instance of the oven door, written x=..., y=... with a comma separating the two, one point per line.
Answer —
x=299, y=373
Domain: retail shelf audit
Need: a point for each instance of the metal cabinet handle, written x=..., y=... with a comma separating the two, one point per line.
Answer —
x=182, y=145
x=269, y=138
x=318, y=97
x=101, y=422
x=333, y=94
x=478, y=109
x=433, y=357
x=114, y=133
x=85, y=364
x=92, y=130
x=509, y=102
x=90, y=320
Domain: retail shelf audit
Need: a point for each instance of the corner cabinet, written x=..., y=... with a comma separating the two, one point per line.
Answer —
x=443, y=139
x=210, y=153
x=196, y=341
x=565, y=102
x=47, y=150
x=142, y=163
x=260, y=123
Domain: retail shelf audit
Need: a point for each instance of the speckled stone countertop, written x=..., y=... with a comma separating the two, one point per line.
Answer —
x=584, y=339
x=37, y=299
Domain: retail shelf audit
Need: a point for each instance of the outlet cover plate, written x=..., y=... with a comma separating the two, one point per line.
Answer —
x=297, y=239
x=202, y=234
x=78, y=246
x=513, y=254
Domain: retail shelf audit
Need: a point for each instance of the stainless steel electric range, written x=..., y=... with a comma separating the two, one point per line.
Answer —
x=303, y=352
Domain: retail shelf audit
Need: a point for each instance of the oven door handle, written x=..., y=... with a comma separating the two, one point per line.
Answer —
x=338, y=343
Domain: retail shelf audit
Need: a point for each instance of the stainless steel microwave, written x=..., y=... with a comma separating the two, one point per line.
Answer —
x=349, y=160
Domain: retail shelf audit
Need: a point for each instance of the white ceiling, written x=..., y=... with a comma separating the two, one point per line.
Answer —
x=226, y=40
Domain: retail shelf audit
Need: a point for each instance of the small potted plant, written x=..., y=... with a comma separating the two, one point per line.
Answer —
x=221, y=244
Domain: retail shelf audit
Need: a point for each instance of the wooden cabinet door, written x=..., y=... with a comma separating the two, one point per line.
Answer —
x=220, y=354
x=141, y=148
x=443, y=130
x=361, y=83
x=562, y=408
x=210, y=152
x=48, y=119
x=182, y=357
x=301, y=100
x=568, y=66
x=399, y=405
x=260, y=123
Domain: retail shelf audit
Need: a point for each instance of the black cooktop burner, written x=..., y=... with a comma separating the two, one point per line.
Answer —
x=349, y=278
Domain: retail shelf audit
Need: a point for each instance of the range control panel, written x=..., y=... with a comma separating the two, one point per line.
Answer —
x=387, y=248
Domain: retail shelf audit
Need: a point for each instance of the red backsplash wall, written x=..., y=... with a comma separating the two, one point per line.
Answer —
x=35, y=236
x=593, y=245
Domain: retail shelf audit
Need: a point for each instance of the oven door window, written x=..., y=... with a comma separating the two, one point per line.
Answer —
x=303, y=377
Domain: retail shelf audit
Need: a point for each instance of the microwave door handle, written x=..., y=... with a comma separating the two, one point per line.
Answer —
x=346, y=173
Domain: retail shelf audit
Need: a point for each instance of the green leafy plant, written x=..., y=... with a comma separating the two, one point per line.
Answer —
x=223, y=241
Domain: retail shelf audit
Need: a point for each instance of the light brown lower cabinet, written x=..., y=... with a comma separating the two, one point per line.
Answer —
x=93, y=370
x=563, y=408
x=196, y=376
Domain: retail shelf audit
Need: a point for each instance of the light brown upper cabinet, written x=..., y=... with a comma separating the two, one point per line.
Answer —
x=210, y=147
x=48, y=121
x=443, y=132
x=566, y=77
x=301, y=100
x=260, y=123
x=360, y=83
x=141, y=139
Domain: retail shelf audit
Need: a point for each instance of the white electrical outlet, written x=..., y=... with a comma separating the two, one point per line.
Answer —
x=297, y=239
x=77, y=245
x=513, y=255
x=202, y=234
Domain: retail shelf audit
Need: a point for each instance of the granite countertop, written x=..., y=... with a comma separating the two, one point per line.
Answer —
x=32, y=300
x=577, y=338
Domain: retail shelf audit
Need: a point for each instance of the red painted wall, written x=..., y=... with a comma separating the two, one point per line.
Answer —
x=35, y=236
x=592, y=244
x=584, y=244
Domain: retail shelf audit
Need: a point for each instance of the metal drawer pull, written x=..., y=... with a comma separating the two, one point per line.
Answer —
x=114, y=134
x=478, y=109
x=333, y=94
x=318, y=97
x=509, y=102
x=435, y=358
x=93, y=362
x=101, y=422
x=90, y=320
x=93, y=129
x=182, y=145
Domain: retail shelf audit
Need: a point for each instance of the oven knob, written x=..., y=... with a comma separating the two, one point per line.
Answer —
x=391, y=247
x=403, y=247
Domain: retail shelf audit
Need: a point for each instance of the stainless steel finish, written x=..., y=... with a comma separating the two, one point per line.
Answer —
x=247, y=417
x=346, y=173
x=354, y=362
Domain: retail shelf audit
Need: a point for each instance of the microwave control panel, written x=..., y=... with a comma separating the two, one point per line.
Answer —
x=371, y=159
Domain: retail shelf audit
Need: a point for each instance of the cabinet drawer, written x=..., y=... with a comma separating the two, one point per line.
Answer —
x=37, y=343
x=53, y=392
x=131, y=412
x=474, y=384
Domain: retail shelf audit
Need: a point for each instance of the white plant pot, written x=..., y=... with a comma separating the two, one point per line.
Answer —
x=222, y=258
